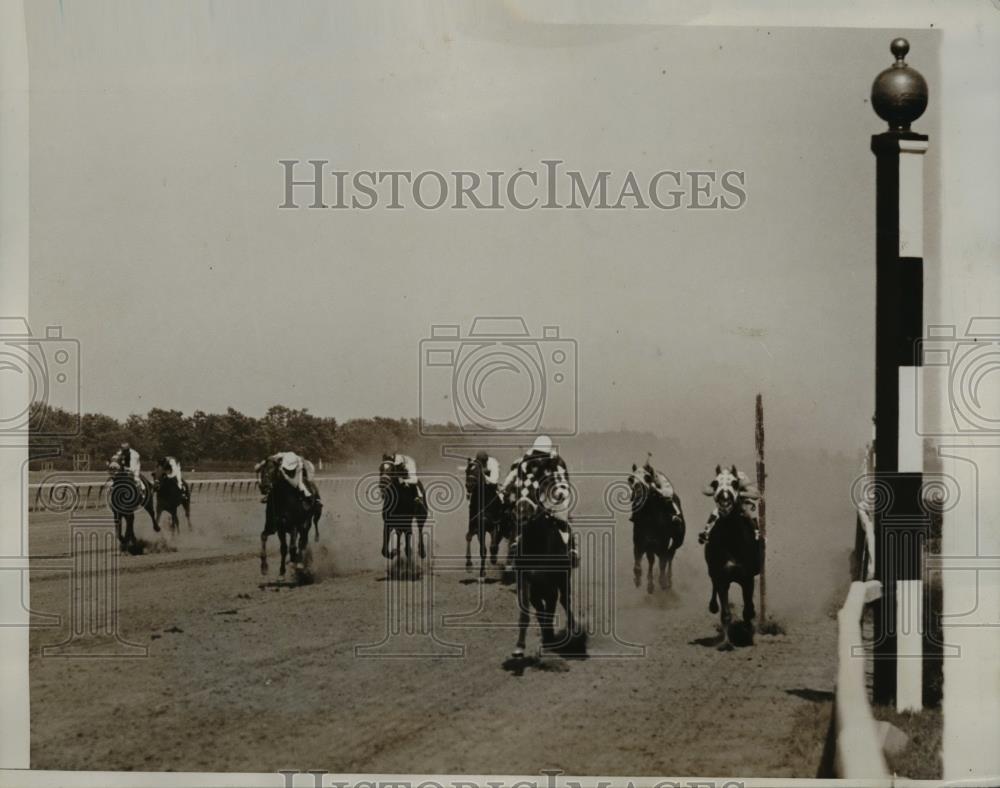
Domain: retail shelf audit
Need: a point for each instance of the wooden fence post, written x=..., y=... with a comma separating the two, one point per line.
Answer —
x=761, y=505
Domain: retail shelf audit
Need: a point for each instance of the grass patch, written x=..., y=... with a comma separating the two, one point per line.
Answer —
x=811, y=724
x=921, y=758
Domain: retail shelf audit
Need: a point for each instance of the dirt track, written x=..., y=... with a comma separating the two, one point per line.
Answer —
x=241, y=677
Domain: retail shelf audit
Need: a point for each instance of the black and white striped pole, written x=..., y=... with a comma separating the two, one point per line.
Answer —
x=899, y=96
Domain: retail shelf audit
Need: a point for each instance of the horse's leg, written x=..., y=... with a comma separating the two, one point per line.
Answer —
x=666, y=561
x=725, y=615
x=495, y=537
x=283, y=540
x=421, y=519
x=545, y=613
x=385, y=538
x=118, y=531
x=468, y=548
x=651, y=559
x=148, y=506
x=637, y=552
x=482, y=549
x=524, y=615
x=263, y=552
x=130, y=530
x=186, y=504
x=749, y=612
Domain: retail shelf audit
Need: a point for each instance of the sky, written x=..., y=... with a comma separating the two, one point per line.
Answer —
x=157, y=241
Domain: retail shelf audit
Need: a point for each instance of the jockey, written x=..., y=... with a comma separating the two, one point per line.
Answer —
x=297, y=470
x=661, y=483
x=490, y=466
x=407, y=467
x=542, y=465
x=172, y=469
x=658, y=481
x=126, y=457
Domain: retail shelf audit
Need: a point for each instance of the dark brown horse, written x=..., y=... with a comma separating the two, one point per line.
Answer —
x=402, y=505
x=486, y=516
x=171, y=496
x=126, y=496
x=732, y=551
x=289, y=514
x=657, y=524
x=543, y=564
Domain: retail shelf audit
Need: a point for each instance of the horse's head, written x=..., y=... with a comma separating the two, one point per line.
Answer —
x=473, y=476
x=267, y=474
x=640, y=480
x=725, y=489
x=386, y=471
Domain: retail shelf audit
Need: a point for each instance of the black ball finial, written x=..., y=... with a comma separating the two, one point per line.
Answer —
x=899, y=94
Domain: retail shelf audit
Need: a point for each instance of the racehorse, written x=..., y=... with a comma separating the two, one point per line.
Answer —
x=486, y=516
x=289, y=514
x=657, y=524
x=402, y=504
x=170, y=496
x=126, y=496
x=543, y=566
x=732, y=551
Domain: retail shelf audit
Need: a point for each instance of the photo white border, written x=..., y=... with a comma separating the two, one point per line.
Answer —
x=968, y=99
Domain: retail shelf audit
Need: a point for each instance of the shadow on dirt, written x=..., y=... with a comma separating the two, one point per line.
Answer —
x=812, y=695
x=740, y=635
x=518, y=665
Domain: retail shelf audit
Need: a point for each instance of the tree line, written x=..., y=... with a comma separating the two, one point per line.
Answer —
x=223, y=440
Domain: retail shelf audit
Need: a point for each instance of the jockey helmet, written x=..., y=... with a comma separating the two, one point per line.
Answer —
x=482, y=457
x=542, y=445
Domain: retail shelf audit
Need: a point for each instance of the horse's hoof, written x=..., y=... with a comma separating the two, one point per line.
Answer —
x=468, y=566
x=650, y=588
x=725, y=645
x=518, y=653
x=638, y=580
x=156, y=528
x=713, y=607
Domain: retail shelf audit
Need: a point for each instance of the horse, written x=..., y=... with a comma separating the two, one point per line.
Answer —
x=289, y=514
x=126, y=496
x=657, y=524
x=486, y=516
x=543, y=564
x=732, y=551
x=402, y=504
x=170, y=496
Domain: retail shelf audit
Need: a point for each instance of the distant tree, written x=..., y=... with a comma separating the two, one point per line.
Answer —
x=168, y=433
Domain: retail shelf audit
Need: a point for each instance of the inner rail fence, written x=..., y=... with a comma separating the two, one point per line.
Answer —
x=66, y=494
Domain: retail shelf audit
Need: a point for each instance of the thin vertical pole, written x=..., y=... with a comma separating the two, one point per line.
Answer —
x=761, y=506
